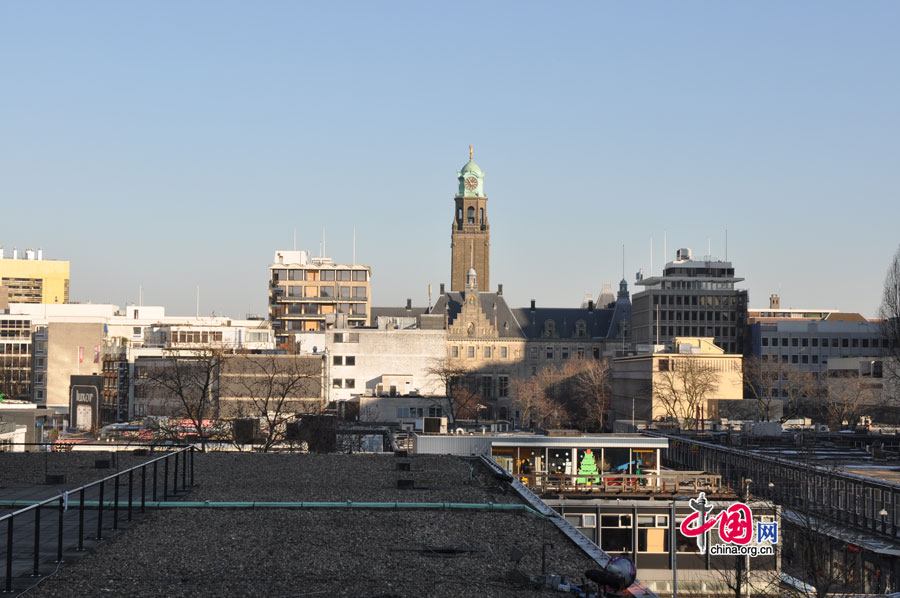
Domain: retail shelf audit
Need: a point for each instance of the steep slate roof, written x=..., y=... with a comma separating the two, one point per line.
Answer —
x=528, y=324
x=533, y=322
x=397, y=312
x=502, y=318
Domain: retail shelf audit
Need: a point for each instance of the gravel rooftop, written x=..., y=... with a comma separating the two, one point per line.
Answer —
x=286, y=553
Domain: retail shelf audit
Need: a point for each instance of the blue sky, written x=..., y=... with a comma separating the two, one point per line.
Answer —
x=177, y=144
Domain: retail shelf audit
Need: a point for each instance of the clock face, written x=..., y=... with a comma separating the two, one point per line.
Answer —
x=471, y=183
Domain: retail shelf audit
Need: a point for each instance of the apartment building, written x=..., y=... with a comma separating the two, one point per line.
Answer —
x=32, y=279
x=311, y=294
x=691, y=298
x=17, y=357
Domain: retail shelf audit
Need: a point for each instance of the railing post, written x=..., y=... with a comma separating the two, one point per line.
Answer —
x=184, y=469
x=130, y=491
x=100, y=513
x=192, y=464
x=166, y=477
x=37, y=540
x=9, y=552
x=175, y=475
x=154, y=480
x=143, y=487
x=59, y=530
x=116, y=503
x=81, y=522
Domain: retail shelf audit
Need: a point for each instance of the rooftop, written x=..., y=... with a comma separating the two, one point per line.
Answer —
x=336, y=551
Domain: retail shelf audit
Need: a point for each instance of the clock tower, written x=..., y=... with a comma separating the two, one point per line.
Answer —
x=470, y=239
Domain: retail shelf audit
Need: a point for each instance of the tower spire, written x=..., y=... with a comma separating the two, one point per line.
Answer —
x=471, y=152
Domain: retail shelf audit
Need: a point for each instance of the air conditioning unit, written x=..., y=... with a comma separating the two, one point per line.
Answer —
x=822, y=428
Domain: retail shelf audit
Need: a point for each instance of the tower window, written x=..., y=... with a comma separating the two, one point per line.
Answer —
x=481, y=215
x=459, y=214
x=470, y=215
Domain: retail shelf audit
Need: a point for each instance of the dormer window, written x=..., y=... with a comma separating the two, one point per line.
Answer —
x=549, y=328
x=580, y=329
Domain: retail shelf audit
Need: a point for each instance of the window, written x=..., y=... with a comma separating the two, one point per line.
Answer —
x=765, y=341
x=470, y=352
x=326, y=291
x=845, y=342
x=503, y=386
x=454, y=351
x=343, y=275
x=549, y=352
x=615, y=533
x=359, y=292
x=487, y=387
x=470, y=215
x=784, y=342
x=532, y=353
x=804, y=342
x=349, y=383
x=296, y=274
x=136, y=331
x=580, y=353
x=487, y=352
x=344, y=292
x=503, y=353
x=793, y=359
x=481, y=215
x=350, y=360
x=815, y=342
x=653, y=533
x=326, y=275
x=663, y=365
x=564, y=353
x=337, y=360
x=336, y=383
x=359, y=275
x=435, y=412
x=856, y=342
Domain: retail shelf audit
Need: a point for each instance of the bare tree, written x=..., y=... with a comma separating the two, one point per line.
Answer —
x=186, y=383
x=540, y=398
x=273, y=389
x=461, y=388
x=590, y=381
x=771, y=382
x=845, y=396
x=683, y=389
x=889, y=313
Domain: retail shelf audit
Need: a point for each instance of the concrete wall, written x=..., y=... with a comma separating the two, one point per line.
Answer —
x=382, y=353
x=63, y=361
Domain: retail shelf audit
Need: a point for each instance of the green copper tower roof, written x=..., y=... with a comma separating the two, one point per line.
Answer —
x=471, y=167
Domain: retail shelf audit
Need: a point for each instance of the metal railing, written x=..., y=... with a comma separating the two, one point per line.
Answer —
x=183, y=459
x=624, y=483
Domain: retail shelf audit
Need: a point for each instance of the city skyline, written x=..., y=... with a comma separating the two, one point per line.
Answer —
x=174, y=148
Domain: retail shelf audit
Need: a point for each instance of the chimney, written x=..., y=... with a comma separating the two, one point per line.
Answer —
x=774, y=301
x=442, y=288
x=532, y=305
x=499, y=289
x=15, y=253
x=40, y=253
x=591, y=305
x=408, y=304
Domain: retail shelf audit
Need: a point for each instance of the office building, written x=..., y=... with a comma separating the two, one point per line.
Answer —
x=32, y=279
x=311, y=294
x=692, y=298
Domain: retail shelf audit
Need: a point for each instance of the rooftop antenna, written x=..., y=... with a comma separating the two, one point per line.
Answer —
x=429, y=298
x=323, y=242
x=651, y=256
x=295, y=238
x=726, y=244
x=623, y=261
x=665, y=254
x=708, y=249
x=141, y=295
x=198, y=300
x=354, y=245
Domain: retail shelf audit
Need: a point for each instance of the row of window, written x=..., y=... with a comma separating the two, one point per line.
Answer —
x=697, y=285
x=793, y=358
x=412, y=412
x=314, y=275
x=695, y=315
x=15, y=348
x=714, y=331
x=196, y=336
x=343, y=360
x=343, y=383
x=696, y=300
x=26, y=324
x=815, y=341
x=315, y=309
x=327, y=292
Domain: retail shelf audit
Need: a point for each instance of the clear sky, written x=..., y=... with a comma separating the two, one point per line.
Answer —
x=177, y=144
